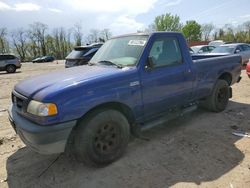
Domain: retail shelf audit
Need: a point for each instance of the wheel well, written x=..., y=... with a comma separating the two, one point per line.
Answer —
x=124, y=109
x=227, y=77
x=9, y=65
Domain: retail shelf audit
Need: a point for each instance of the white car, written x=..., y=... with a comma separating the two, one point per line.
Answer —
x=201, y=49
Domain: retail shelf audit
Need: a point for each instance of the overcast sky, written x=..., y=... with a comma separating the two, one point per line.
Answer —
x=120, y=16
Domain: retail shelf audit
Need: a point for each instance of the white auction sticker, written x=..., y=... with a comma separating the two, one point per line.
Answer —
x=137, y=42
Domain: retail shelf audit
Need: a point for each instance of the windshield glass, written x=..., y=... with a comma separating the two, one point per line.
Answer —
x=123, y=51
x=77, y=53
x=196, y=48
x=224, y=49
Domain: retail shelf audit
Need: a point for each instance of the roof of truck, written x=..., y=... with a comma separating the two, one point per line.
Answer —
x=145, y=33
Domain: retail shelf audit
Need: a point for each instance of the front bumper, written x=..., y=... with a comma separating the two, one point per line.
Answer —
x=42, y=139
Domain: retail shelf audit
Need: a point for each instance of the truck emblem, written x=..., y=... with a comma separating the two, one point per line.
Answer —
x=135, y=83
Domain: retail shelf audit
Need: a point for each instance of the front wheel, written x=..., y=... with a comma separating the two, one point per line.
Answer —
x=219, y=98
x=102, y=137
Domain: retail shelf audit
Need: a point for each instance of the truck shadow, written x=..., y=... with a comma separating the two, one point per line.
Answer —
x=196, y=148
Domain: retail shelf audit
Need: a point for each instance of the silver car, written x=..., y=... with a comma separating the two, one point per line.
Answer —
x=9, y=63
x=235, y=48
x=201, y=49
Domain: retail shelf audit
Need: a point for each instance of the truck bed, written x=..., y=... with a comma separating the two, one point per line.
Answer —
x=209, y=67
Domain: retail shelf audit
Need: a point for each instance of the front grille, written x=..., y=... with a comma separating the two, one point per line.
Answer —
x=19, y=101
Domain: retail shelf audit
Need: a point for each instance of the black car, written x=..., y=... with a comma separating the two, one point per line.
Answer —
x=43, y=59
x=81, y=55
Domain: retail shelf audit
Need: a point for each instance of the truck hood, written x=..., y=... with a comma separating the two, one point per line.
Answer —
x=58, y=80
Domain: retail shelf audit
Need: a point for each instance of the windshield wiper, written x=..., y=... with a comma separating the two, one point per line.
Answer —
x=110, y=63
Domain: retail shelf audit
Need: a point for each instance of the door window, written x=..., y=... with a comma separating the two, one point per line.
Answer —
x=211, y=48
x=165, y=52
x=204, y=49
x=245, y=47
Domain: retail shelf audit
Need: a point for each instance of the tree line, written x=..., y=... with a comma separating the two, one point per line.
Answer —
x=37, y=40
x=194, y=31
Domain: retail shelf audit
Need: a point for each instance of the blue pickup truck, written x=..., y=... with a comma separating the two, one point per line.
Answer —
x=132, y=83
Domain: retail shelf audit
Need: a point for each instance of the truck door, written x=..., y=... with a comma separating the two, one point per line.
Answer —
x=169, y=82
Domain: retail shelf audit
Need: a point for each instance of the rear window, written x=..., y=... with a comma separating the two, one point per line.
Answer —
x=7, y=57
x=78, y=53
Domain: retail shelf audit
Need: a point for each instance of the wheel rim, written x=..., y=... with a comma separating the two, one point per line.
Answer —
x=222, y=95
x=10, y=68
x=106, y=138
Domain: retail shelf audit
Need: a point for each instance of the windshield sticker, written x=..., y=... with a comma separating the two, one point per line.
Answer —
x=137, y=42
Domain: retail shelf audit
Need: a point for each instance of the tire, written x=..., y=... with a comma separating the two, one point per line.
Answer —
x=10, y=68
x=219, y=98
x=101, y=138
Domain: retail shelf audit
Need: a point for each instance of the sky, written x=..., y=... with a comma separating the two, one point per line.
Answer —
x=120, y=16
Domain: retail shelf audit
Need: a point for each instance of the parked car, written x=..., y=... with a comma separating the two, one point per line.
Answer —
x=235, y=48
x=9, y=63
x=216, y=43
x=43, y=59
x=81, y=55
x=248, y=69
x=132, y=83
x=202, y=49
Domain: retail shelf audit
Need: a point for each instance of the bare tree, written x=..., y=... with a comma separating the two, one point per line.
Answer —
x=38, y=30
x=206, y=30
x=69, y=44
x=4, y=45
x=33, y=47
x=246, y=25
x=94, y=36
x=78, y=34
x=105, y=34
x=50, y=45
x=19, y=39
x=150, y=28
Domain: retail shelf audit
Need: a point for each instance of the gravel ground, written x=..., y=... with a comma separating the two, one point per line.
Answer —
x=197, y=150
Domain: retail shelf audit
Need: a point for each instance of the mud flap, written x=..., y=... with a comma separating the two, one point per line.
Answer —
x=230, y=92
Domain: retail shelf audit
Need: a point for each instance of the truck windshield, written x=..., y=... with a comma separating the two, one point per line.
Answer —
x=122, y=51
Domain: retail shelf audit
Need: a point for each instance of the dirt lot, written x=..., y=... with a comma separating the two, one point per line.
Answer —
x=194, y=151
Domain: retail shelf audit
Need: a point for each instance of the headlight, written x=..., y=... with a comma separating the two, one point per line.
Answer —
x=42, y=109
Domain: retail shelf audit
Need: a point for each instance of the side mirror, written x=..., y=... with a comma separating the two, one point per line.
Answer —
x=200, y=51
x=150, y=63
x=237, y=51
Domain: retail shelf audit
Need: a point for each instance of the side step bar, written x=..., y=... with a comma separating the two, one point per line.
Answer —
x=168, y=117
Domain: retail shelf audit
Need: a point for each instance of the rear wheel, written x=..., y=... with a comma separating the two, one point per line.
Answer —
x=102, y=137
x=219, y=98
x=11, y=68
